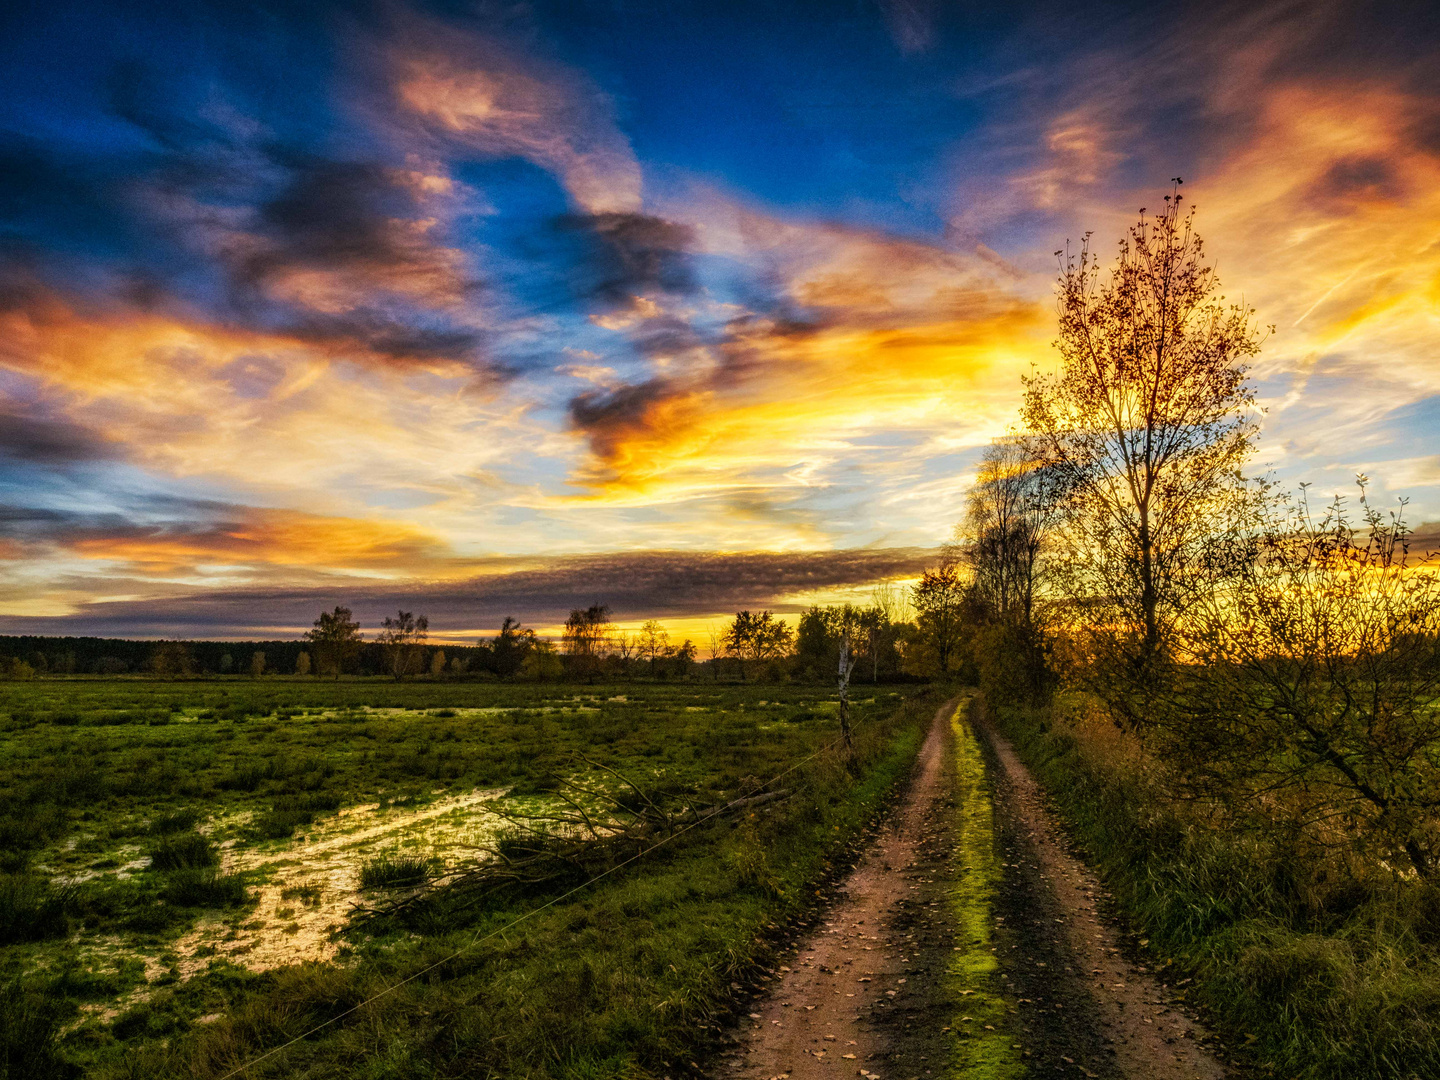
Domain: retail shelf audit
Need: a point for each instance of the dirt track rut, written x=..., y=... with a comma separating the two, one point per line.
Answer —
x=873, y=990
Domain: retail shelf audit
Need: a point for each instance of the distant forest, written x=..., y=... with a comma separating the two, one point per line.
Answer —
x=118, y=656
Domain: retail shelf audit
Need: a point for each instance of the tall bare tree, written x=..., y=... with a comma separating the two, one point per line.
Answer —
x=715, y=648
x=1146, y=422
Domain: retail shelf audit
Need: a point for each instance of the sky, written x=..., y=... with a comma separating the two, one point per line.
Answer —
x=483, y=309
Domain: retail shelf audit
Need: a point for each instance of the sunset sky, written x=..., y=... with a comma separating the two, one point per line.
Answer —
x=486, y=309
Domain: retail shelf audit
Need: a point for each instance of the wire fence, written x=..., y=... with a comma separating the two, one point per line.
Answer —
x=481, y=938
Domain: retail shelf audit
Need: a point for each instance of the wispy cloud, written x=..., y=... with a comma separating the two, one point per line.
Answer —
x=472, y=90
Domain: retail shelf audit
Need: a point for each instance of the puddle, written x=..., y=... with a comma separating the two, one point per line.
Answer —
x=321, y=872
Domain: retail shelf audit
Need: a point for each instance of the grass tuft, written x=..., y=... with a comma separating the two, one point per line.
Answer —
x=31, y=909
x=394, y=872
x=173, y=822
x=197, y=887
x=183, y=851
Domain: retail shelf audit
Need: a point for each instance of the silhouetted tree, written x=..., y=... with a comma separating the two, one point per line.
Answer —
x=653, y=643
x=1011, y=511
x=510, y=646
x=586, y=637
x=1146, y=423
x=336, y=640
x=942, y=606
x=683, y=658
x=757, y=637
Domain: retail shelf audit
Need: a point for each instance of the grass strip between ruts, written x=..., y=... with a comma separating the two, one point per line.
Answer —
x=984, y=1048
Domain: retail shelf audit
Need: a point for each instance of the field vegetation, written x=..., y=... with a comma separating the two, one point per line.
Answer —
x=184, y=861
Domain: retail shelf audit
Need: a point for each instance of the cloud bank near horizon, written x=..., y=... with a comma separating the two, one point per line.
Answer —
x=669, y=585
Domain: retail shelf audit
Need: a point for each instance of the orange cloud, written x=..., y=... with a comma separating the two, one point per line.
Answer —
x=888, y=336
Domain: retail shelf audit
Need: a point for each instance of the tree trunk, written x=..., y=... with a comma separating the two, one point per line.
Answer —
x=1148, y=596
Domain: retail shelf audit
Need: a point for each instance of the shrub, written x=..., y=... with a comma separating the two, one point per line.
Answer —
x=247, y=778
x=278, y=824
x=293, y=811
x=183, y=851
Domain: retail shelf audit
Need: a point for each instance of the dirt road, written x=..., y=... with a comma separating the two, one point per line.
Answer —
x=967, y=942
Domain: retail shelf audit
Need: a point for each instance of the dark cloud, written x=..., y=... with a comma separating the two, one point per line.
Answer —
x=1355, y=181
x=377, y=334
x=350, y=216
x=622, y=255
x=660, y=584
x=221, y=217
x=609, y=418
x=41, y=441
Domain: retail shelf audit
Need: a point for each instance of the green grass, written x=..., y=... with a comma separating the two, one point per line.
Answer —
x=979, y=1054
x=611, y=982
x=1316, y=977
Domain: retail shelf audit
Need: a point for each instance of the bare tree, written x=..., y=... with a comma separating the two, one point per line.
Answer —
x=627, y=647
x=402, y=639
x=1146, y=421
x=715, y=647
x=849, y=626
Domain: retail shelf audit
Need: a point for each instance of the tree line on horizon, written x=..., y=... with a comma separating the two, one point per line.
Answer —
x=900, y=634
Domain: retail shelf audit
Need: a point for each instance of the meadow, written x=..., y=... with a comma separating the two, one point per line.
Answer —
x=182, y=862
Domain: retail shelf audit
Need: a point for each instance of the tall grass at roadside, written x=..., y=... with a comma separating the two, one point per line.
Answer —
x=1318, y=976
